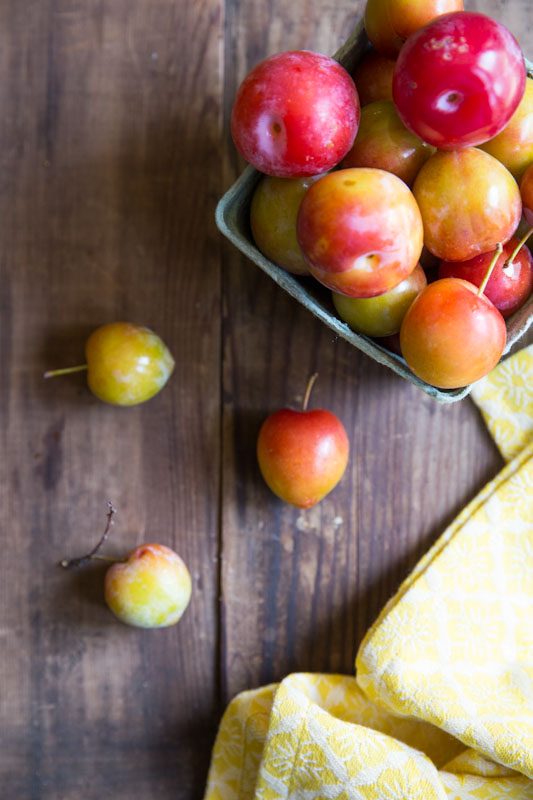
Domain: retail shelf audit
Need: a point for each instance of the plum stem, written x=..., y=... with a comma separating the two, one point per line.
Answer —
x=521, y=243
x=93, y=554
x=495, y=257
x=310, y=384
x=113, y=559
x=51, y=373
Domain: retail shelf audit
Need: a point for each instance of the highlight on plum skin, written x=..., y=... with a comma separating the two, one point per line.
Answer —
x=295, y=114
x=151, y=589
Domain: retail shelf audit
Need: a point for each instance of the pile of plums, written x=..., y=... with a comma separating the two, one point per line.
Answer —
x=425, y=174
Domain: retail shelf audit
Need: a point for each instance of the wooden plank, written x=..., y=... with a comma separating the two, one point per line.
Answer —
x=110, y=171
x=300, y=588
x=111, y=162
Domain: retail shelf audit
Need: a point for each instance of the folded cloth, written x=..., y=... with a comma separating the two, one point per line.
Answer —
x=505, y=399
x=442, y=702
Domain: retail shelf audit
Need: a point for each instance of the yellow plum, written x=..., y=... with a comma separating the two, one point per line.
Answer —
x=151, y=589
x=469, y=203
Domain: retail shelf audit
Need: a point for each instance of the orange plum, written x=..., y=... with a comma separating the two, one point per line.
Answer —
x=381, y=315
x=388, y=23
x=384, y=142
x=451, y=335
x=302, y=454
x=469, y=202
x=373, y=78
x=360, y=231
x=151, y=589
x=273, y=215
x=514, y=145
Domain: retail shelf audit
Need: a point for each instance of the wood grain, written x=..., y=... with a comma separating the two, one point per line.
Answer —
x=114, y=148
x=301, y=588
x=110, y=141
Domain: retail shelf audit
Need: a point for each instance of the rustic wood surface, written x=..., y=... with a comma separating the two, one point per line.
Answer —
x=114, y=149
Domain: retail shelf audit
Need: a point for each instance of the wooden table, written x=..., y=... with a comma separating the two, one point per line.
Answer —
x=114, y=149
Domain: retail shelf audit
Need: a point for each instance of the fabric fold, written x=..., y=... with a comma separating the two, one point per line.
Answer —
x=441, y=705
x=455, y=647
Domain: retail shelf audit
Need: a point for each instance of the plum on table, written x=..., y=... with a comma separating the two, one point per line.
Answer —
x=126, y=364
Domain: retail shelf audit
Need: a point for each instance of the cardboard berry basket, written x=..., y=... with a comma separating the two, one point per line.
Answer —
x=232, y=217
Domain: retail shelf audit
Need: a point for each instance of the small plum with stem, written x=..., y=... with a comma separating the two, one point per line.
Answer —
x=511, y=281
x=452, y=335
x=126, y=364
x=302, y=454
x=149, y=588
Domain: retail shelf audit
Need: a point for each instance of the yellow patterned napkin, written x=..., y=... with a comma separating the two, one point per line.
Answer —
x=505, y=398
x=442, y=702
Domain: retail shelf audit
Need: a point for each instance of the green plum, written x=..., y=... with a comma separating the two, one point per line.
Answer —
x=273, y=215
x=381, y=315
